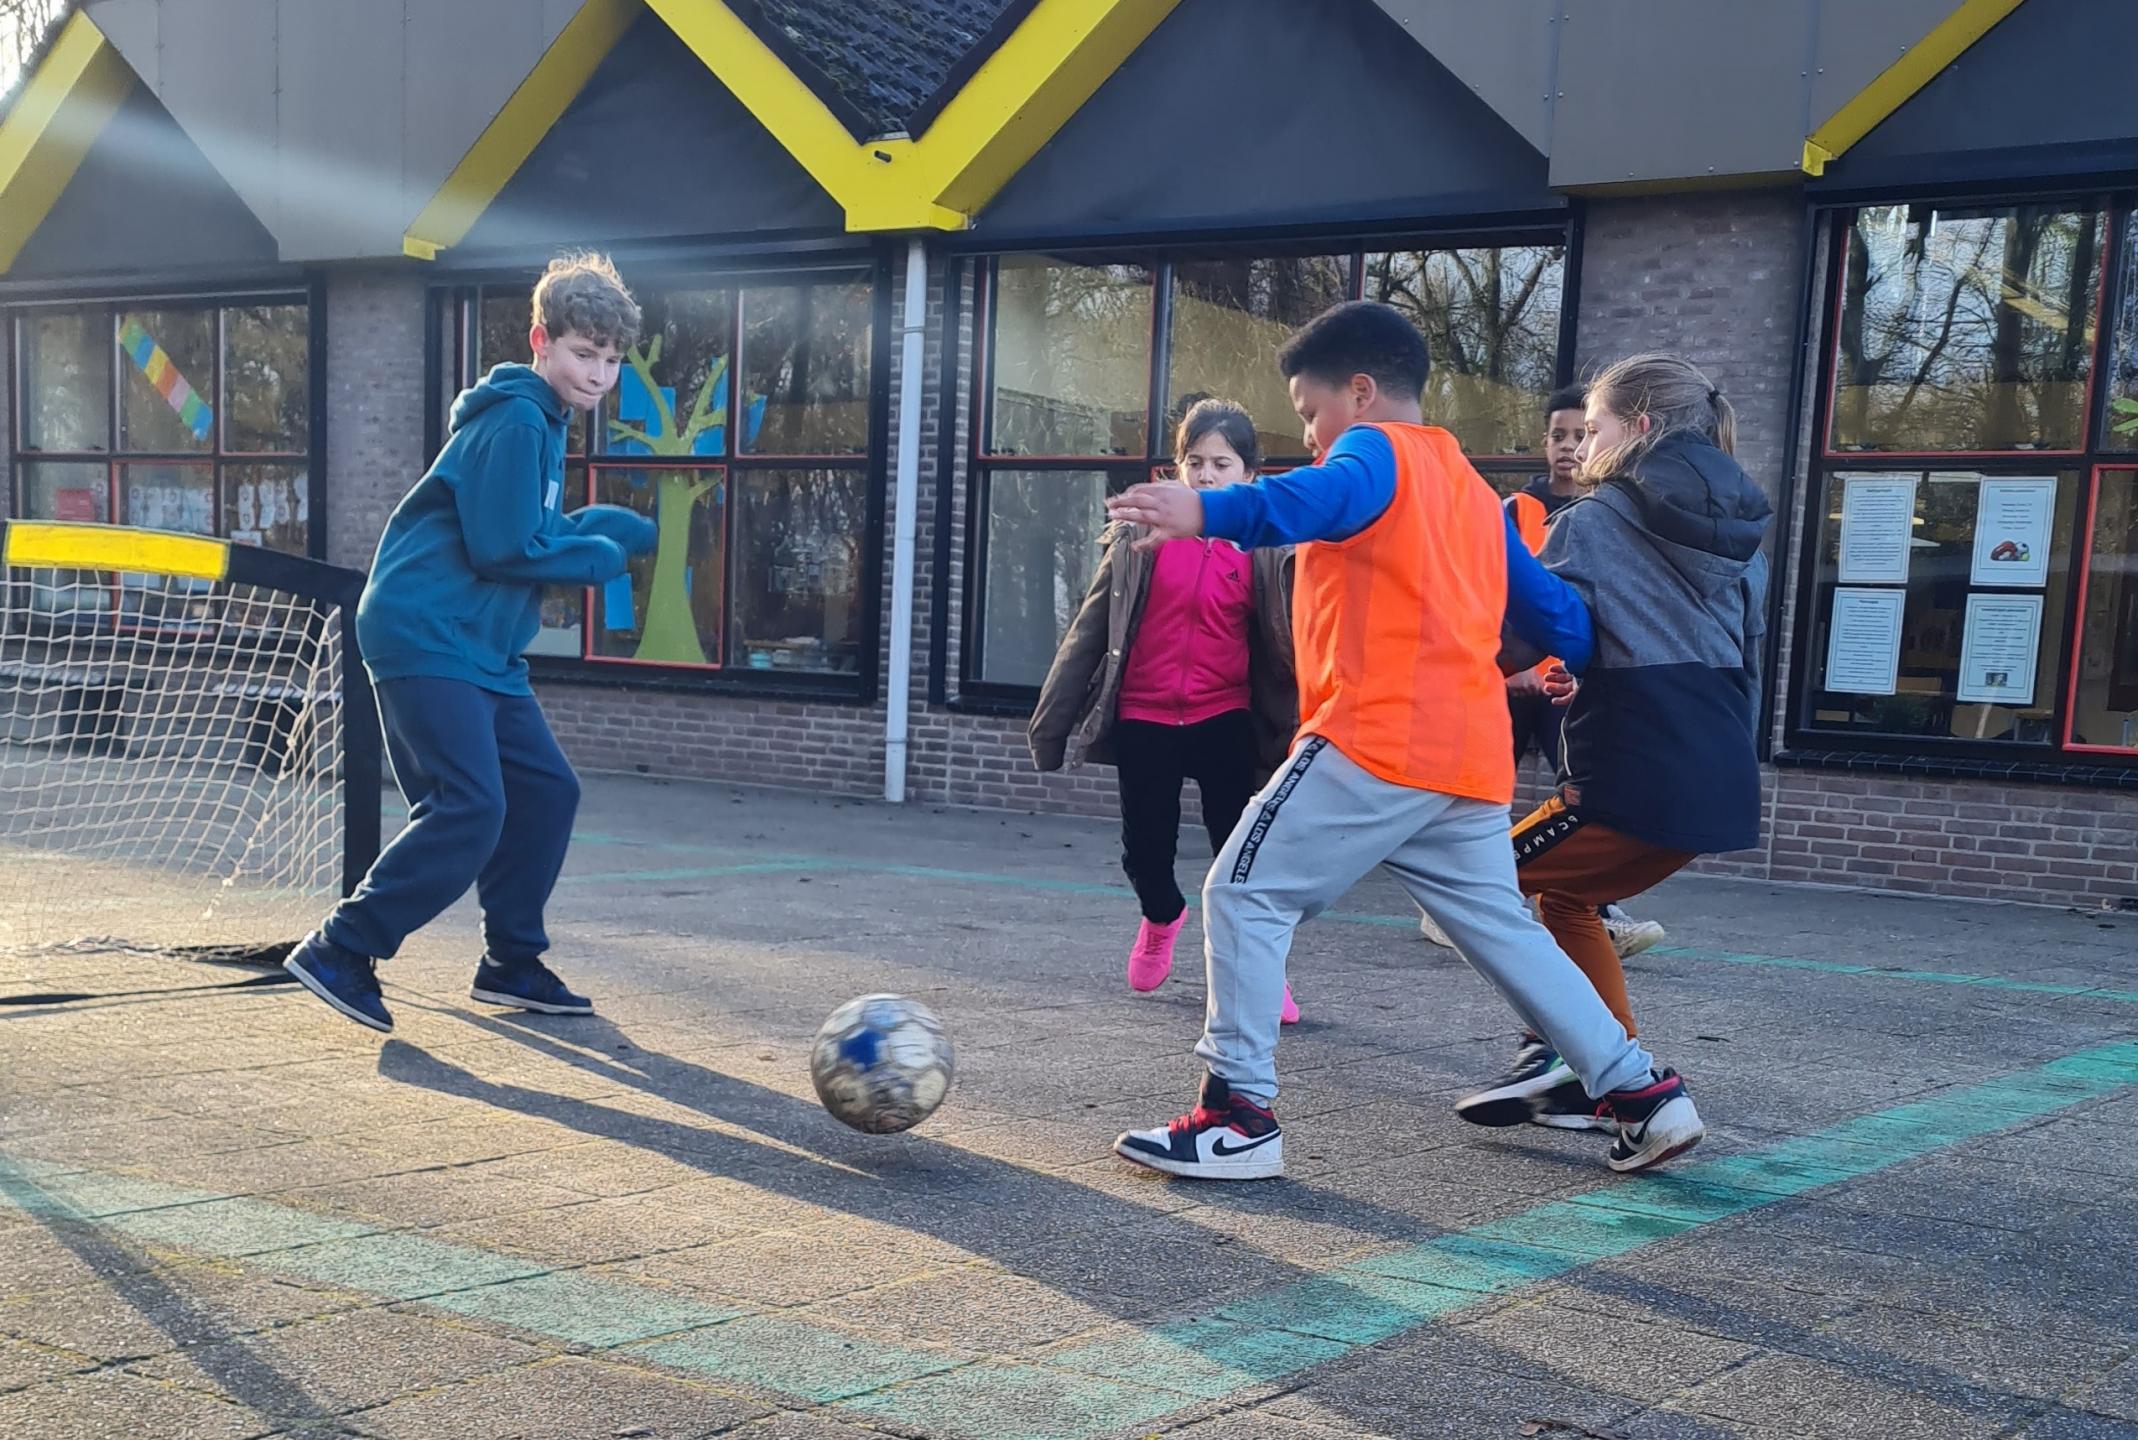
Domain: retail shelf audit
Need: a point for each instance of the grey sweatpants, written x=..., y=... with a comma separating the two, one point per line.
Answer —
x=1314, y=831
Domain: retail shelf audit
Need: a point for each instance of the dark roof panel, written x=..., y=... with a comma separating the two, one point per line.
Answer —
x=1328, y=114
x=653, y=148
x=144, y=199
x=883, y=68
x=1985, y=118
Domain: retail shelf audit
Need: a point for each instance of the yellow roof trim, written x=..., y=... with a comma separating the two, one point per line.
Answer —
x=1058, y=55
x=1053, y=62
x=511, y=136
x=1969, y=21
x=63, y=107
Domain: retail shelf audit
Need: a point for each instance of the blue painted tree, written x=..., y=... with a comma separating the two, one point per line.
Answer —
x=647, y=425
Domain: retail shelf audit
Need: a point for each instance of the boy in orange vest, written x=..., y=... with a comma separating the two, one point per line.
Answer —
x=1406, y=572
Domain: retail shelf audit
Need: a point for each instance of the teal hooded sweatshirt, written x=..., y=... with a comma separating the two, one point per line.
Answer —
x=455, y=590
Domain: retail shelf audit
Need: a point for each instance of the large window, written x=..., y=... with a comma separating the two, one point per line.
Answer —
x=743, y=426
x=1086, y=362
x=1969, y=565
x=184, y=415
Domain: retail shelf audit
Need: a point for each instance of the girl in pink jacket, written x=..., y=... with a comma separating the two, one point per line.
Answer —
x=1178, y=666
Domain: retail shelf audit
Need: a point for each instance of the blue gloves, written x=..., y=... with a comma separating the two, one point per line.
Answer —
x=631, y=531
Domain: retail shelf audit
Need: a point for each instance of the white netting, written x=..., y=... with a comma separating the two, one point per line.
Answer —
x=171, y=756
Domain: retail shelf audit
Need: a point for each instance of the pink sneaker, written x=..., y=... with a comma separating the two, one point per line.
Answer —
x=1289, y=1015
x=1152, y=958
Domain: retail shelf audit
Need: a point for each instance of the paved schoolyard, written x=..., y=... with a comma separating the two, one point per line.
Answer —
x=228, y=1213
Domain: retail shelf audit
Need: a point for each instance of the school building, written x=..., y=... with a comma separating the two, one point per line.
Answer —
x=924, y=281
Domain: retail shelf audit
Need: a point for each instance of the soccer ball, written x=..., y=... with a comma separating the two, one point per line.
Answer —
x=881, y=1063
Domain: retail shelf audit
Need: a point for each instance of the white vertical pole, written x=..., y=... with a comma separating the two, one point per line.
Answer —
x=905, y=521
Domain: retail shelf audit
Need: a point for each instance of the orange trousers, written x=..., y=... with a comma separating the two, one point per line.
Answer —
x=1572, y=866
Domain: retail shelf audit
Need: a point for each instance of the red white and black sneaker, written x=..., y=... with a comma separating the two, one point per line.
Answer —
x=1225, y=1137
x=1655, y=1121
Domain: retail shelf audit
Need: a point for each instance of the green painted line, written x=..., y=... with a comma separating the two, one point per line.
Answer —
x=1086, y=1387
x=1285, y=1330
x=392, y=1265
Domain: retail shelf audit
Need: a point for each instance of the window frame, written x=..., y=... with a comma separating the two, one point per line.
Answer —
x=967, y=689
x=452, y=329
x=2058, y=761
x=218, y=299
x=2083, y=571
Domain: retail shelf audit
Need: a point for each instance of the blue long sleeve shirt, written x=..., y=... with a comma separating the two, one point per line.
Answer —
x=1352, y=487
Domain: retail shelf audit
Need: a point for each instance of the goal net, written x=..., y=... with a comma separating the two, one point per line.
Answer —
x=189, y=754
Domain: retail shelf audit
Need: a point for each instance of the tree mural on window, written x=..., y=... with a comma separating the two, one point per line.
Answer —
x=670, y=631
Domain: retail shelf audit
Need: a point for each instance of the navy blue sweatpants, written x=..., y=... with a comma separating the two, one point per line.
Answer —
x=490, y=804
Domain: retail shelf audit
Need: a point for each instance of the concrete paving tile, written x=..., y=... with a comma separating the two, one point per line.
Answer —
x=1818, y=1399
x=23, y=1364
x=342, y=1363
x=1613, y=1355
x=2114, y=1394
x=111, y=1405
x=564, y=1398
x=2061, y=1424
x=976, y=1308
x=151, y=1312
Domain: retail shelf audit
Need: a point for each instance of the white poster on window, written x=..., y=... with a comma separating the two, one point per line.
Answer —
x=1998, y=650
x=1877, y=524
x=2012, y=518
x=1863, y=644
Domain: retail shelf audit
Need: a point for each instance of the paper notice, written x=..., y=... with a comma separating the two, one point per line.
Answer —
x=1863, y=644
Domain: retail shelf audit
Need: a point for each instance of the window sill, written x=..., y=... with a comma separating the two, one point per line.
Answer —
x=2110, y=776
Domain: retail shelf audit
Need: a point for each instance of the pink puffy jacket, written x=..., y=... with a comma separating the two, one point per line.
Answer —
x=1189, y=660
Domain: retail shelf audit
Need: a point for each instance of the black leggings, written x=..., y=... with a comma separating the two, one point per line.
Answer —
x=1151, y=762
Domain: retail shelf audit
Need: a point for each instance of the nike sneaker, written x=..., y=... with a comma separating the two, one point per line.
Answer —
x=1225, y=1137
x=1655, y=1121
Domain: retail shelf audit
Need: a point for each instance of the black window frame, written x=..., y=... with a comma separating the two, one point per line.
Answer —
x=451, y=331
x=217, y=298
x=966, y=689
x=2058, y=761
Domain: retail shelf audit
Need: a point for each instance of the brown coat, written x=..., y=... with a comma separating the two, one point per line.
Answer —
x=1074, y=720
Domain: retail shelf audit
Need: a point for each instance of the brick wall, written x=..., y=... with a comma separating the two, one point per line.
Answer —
x=1712, y=277
x=374, y=405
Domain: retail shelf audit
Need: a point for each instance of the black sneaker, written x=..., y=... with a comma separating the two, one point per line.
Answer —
x=1512, y=1099
x=527, y=985
x=344, y=979
x=1654, y=1122
x=1566, y=1106
x=1225, y=1137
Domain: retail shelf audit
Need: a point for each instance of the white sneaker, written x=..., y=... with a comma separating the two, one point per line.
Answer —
x=1630, y=936
x=1431, y=930
x=1225, y=1137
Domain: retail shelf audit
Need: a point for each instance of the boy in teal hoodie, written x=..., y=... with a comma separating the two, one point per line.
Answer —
x=453, y=601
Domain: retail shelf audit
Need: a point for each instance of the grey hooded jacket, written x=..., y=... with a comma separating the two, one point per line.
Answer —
x=1661, y=740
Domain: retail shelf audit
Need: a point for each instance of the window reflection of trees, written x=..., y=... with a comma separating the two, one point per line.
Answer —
x=1967, y=330
x=1491, y=319
x=1072, y=358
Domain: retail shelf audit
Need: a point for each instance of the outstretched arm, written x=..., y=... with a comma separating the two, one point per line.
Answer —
x=1350, y=489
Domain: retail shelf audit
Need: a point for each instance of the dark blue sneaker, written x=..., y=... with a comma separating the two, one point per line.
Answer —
x=344, y=979
x=527, y=985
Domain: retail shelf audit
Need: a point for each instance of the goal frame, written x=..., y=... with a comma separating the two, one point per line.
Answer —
x=126, y=550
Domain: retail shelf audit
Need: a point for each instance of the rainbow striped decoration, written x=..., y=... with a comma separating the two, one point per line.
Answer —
x=196, y=414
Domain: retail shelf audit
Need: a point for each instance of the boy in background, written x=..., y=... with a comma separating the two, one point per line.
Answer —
x=453, y=601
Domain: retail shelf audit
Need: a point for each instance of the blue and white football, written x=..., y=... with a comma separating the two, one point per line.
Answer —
x=882, y=1063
